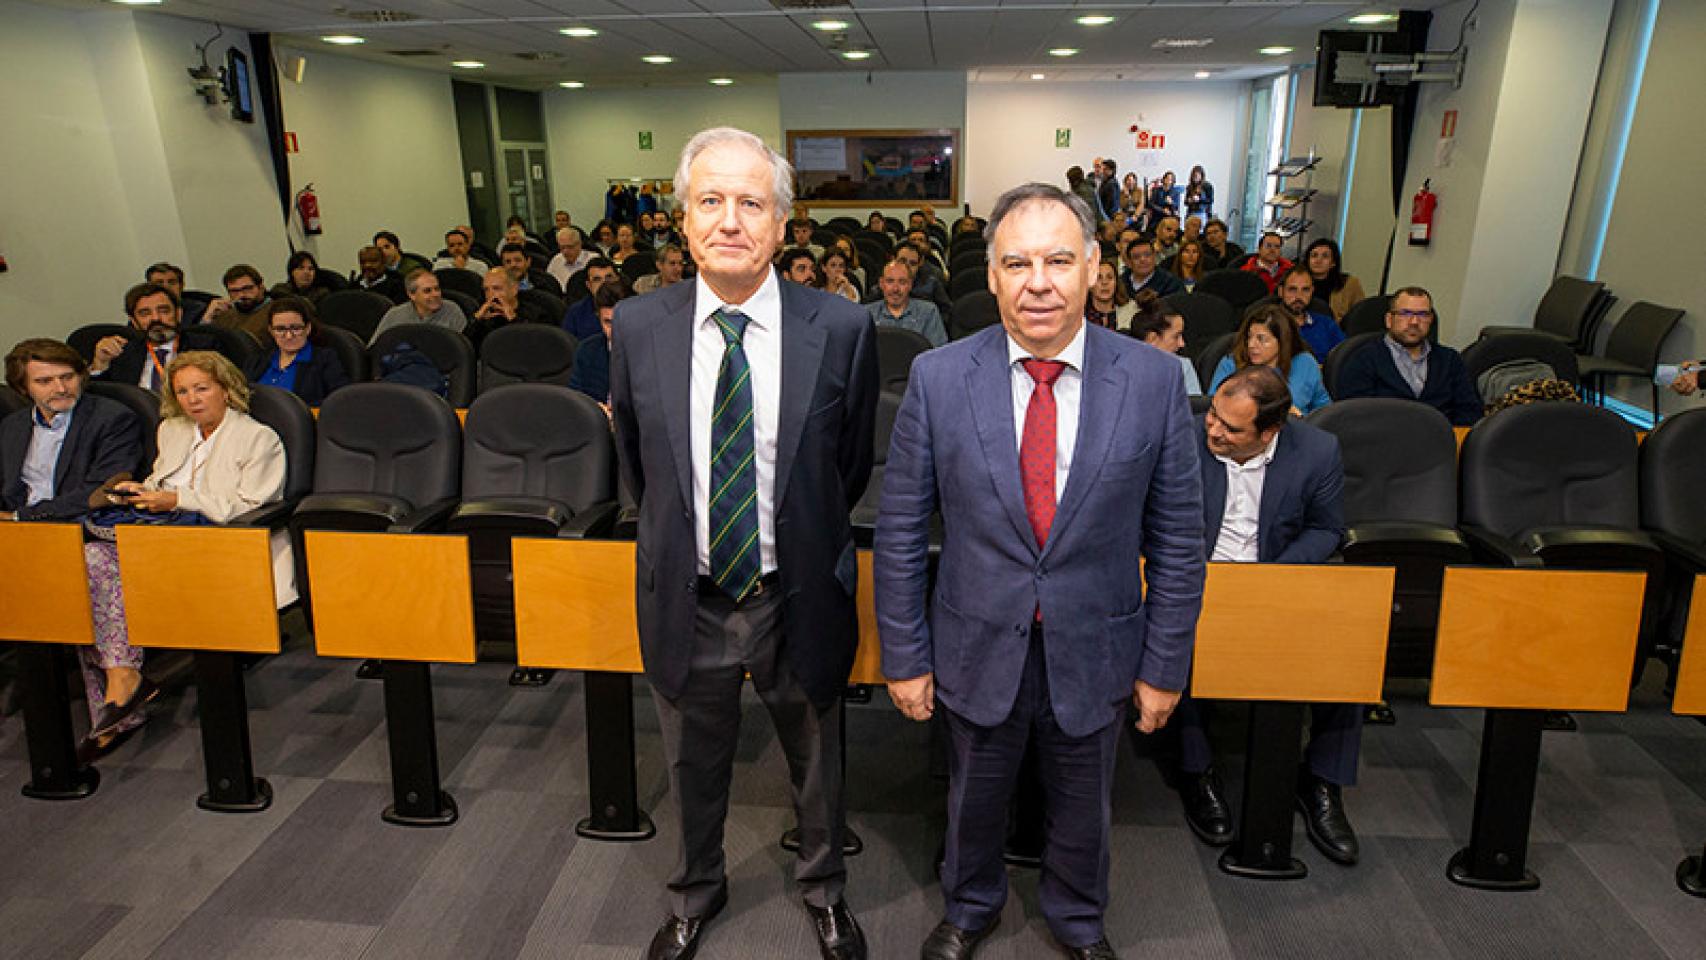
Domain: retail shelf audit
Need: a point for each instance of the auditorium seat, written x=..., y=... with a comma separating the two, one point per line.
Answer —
x=145, y=404
x=236, y=346
x=83, y=339
x=864, y=514
x=967, y=241
x=539, y=280
x=546, y=302
x=1632, y=350
x=575, y=290
x=1673, y=461
x=350, y=348
x=291, y=419
x=468, y=305
x=358, y=311
x=1570, y=311
x=972, y=313
x=526, y=353
x=1488, y=352
x=1400, y=502
x=449, y=351
x=1209, y=358
x=11, y=400
x=967, y=281
x=1337, y=356
x=873, y=256
x=1236, y=287
x=1368, y=315
x=897, y=347
x=966, y=259
x=462, y=281
x=638, y=265
x=1206, y=317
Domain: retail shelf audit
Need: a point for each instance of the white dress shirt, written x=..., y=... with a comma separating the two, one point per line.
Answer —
x=1067, y=391
x=763, y=344
x=562, y=269
x=1240, y=524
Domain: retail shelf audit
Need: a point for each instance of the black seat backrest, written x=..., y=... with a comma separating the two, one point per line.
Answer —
x=897, y=347
x=542, y=282
x=291, y=419
x=350, y=348
x=1567, y=306
x=358, y=311
x=545, y=302
x=449, y=351
x=638, y=265
x=236, y=346
x=329, y=280
x=526, y=353
x=1206, y=317
x=11, y=401
x=461, y=281
x=1640, y=333
x=1337, y=356
x=1673, y=459
x=971, y=313
x=1234, y=286
x=145, y=404
x=1488, y=352
x=575, y=290
x=1367, y=315
x=83, y=339
x=965, y=282
x=389, y=439
x=1549, y=464
x=1209, y=358
x=538, y=440
x=1400, y=460
x=468, y=305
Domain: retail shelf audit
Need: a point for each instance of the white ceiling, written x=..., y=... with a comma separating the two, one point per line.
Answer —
x=996, y=40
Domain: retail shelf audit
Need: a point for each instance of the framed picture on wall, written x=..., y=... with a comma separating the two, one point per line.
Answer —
x=862, y=168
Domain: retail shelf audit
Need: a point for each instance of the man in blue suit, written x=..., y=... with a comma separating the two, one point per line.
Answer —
x=1059, y=455
x=1273, y=492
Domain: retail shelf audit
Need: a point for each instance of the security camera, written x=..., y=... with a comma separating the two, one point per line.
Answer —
x=209, y=83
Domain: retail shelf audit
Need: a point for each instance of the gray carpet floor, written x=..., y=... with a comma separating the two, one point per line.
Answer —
x=138, y=871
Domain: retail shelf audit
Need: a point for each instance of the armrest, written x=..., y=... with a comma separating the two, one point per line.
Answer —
x=595, y=522
x=273, y=516
x=1489, y=547
x=510, y=512
x=1688, y=557
x=351, y=511
x=627, y=524
x=1593, y=546
x=1406, y=538
x=430, y=517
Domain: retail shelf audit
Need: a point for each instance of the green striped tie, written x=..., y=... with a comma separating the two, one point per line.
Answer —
x=734, y=477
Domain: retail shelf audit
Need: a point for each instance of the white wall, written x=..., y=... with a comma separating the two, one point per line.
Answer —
x=594, y=134
x=379, y=144
x=1011, y=132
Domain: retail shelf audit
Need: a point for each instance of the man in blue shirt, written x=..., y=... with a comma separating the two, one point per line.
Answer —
x=61, y=449
x=1319, y=330
x=581, y=319
x=898, y=308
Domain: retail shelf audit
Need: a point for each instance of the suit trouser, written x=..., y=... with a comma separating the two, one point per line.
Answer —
x=1077, y=777
x=701, y=729
x=1335, y=739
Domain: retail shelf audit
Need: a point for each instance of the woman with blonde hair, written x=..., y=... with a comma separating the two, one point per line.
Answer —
x=1268, y=337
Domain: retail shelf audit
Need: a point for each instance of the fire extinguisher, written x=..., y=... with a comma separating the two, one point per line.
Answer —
x=1422, y=216
x=308, y=208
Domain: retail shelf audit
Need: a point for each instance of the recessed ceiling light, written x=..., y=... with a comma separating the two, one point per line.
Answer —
x=1274, y=51
x=721, y=82
x=139, y=3
x=571, y=84
x=343, y=40
x=658, y=59
x=579, y=33
x=468, y=64
x=1372, y=18
x=829, y=26
x=856, y=54
x=1095, y=20
x=1203, y=74
x=1181, y=43
x=1063, y=52
x=1038, y=76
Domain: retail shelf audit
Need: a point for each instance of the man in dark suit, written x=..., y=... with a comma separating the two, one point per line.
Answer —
x=157, y=315
x=1405, y=365
x=60, y=449
x=1142, y=273
x=1273, y=492
x=1059, y=455
x=744, y=410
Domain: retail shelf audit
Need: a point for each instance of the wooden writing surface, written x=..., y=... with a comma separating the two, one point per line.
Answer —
x=169, y=603
x=1691, y=673
x=391, y=596
x=574, y=605
x=44, y=585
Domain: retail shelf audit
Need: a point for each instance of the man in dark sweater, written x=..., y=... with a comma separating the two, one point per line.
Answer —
x=1404, y=364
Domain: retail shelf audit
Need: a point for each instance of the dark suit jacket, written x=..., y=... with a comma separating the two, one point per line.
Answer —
x=1163, y=283
x=127, y=366
x=1302, y=515
x=316, y=377
x=104, y=439
x=1370, y=372
x=823, y=459
x=1133, y=492
x=591, y=373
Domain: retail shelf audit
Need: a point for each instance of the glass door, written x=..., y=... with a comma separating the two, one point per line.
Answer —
x=1256, y=164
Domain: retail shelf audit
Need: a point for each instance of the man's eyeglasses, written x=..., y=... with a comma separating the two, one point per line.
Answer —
x=1413, y=314
x=295, y=329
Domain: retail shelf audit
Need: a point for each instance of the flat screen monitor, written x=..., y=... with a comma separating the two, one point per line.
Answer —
x=238, y=85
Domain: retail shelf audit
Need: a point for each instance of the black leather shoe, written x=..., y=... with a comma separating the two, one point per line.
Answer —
x=1324, y=818
x=1100, y=950
x=838, y=934
x=948, y=942
x=678, y=938
x=1205, y=807
x=113, y=714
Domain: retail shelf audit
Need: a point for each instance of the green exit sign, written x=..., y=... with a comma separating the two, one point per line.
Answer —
x=1062, y=138
x=645, y=139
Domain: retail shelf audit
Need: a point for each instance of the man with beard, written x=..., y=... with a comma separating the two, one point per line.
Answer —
x=156, y=313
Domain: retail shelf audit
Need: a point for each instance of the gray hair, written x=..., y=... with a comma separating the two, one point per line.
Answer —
x=567, y=232
x=1042, y=193
x=781, y=171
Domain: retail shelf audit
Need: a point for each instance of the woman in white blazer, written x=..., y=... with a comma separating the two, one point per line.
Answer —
x=214, y=460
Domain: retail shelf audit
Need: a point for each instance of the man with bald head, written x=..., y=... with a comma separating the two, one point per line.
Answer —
x=571, y=256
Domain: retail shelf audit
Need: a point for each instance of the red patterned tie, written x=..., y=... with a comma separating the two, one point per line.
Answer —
x=1036, y=450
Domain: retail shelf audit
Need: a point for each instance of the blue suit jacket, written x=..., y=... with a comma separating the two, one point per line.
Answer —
x=1133, y=492
x=104, y=439
x=1302, y=514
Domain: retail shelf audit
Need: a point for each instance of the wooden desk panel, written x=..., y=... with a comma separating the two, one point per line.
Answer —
x=1536, y=639
x=167, y=606
x=1691, y=674
x=868, y=661
x=1313, y=633
x=391, y=596
x=44, y=585
x=574, y=605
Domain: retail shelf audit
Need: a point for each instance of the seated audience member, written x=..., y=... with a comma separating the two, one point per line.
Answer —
x=560, y=220
x=1131, y=197
x=215, y=464
x=876, y=222
x=854, y=267
x=1404, y=364
x=1198, y=196
x=374, y=278
x=581, y=319
x=458, y=254
x=604, y=238
x=798, y=265
x=1107, y=305
x=571, y=257
x=915, y=220
x=833, y=275
x=1163, y=198
x=927, y=281
x=155, y=313
x=426, y=305
x=1167, y=238
x=396, y=260
x=591, y=373
x=927, y=246
x=1123, y=240
x=1273, y=492
x=1268, y=338
x=513, y=260
x=1189, y=264
x=515, y=231
x=172, y=278
x=1319, y=331
x=1142, y=274
x=303, y=279
x=966, y=226
x=1332, y=283
x=1267, y=263
x=477, y=249
x=1155, y=323
x=1221, y=251
x=300, y=360
x=67, y=443
x=1192, y=229
x=503, y=305
x=625, y=244
x=801, y=230
x=672, y=266
x=898, y=308
x=240, y=308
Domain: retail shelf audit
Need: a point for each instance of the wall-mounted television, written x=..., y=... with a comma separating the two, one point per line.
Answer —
x=1344, y=66
x=858, y=168
x=239, y=87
